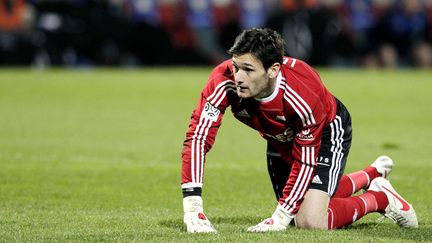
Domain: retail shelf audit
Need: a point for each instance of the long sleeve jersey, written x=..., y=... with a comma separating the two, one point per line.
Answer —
x=291, y=119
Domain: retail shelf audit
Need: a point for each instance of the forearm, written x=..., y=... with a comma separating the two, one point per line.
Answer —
x=199, y=140
x=297, y=184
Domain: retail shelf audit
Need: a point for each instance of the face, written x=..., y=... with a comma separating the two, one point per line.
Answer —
x=252, y=80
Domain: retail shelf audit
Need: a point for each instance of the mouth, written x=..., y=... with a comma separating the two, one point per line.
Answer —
x=241, y=89
x=241, y=86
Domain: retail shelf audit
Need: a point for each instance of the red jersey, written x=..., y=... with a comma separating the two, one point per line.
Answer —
x=291, y=119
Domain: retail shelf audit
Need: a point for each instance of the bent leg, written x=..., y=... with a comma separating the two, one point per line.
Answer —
x=345, y=211
x=354, y=182
x=332, y=156
x=313, y=211
x=318, y=211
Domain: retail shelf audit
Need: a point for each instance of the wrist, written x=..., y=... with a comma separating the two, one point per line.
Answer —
x=282, y=216
x=193, y=204
x=191, y=191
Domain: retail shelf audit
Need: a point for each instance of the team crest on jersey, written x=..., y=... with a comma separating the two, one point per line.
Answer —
x=305, y=135
x=210, y=112
x=285, y=137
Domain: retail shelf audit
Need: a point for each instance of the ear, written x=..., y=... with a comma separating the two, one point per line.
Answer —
x=273, y=70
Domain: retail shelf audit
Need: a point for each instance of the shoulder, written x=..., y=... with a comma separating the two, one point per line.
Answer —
x=223, y=71
x=220, y=83
x=221, y=77
x=296, y=69
x=296, y=65
x=305, y=92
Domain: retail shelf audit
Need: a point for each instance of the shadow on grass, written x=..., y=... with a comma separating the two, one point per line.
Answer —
x=177, y=224
x=391, y=231
x=238, y=220
x=173, y=224
x=381, y=231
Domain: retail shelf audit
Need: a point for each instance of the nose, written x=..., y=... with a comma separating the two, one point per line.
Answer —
x=239, y=77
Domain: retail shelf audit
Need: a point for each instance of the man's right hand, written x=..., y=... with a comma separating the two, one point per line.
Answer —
x=194, y=217
x=198, y=223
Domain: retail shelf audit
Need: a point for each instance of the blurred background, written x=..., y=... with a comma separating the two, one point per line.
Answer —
x=130, y=33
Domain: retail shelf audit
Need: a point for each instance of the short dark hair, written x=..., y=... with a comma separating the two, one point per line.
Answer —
x=265, y=44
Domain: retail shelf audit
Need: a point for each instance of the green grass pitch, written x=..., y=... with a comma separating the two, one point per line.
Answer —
x=94, y=155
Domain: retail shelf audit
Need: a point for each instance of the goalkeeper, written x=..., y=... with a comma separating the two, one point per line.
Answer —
x=308, y=133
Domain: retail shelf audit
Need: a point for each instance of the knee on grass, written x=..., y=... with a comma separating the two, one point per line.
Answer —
x=311, y=222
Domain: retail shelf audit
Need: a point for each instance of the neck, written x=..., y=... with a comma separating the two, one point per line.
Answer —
x=269, y=90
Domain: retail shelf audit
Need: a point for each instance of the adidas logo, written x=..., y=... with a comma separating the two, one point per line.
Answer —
x=243, y=113
x=316, y=180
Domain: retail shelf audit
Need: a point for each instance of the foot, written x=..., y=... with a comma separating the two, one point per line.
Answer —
x=398, y=210
x=383, y=165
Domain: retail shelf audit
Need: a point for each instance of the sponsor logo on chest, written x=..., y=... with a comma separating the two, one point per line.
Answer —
x=305, y=135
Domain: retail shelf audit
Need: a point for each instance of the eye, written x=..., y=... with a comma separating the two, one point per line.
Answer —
x=248, y=70
x=235, y=68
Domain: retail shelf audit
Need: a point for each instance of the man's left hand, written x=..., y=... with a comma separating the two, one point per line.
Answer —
x=279, y=221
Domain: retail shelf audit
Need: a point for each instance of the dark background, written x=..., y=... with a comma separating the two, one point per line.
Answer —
x=84, y=33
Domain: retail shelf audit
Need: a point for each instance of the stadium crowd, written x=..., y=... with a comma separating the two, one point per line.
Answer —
x=369, y=33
